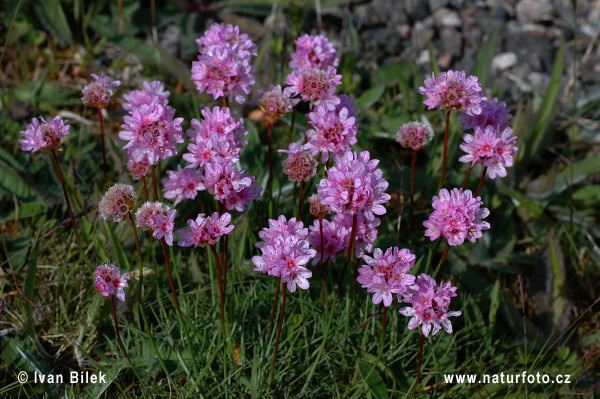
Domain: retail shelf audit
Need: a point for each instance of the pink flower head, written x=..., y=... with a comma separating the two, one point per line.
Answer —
x=317, y=208
x=218, y=136
x=348, y=103
x=490, y=147
x=386, y=274
x=313, y=52
x=453, y=90
x=182, y=184
x=152, y=132
x=275, y=103
x=153, y=93
x=139, y=169
x=355, y=184
x=232, y=187
x=145, y=217
x=285, y=253
x=98, y=93
x=228, y=36
x=457, y=216
x=118, y=201
x=164, y=226
x=429, y=306
x=45, y=136
x=366, y=231
x=299, y=165
x=414, y=135
x=205, y=230
x=335, y=239
x=492, y=113
x=315, y=85
x=109, y=280
x=332, y=131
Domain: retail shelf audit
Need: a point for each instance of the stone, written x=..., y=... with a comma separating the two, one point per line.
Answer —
x=421, y=35
x=535, y=10
x=447, y=18
x=452, y=42
x=503, y=61
x=435, y=4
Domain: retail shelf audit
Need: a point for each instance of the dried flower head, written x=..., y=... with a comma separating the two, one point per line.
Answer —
x=145, y=217
x=317, y=208
x=45, y=136
x=299, y=165
x=414, y=135
x=453, y=90
x=109, y=281
x=139, y=169
x=118, y=201
x=98, y=93
x=275, y=103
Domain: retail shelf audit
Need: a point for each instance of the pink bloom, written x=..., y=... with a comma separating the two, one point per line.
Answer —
x=205, y=230
x=153, y=93
x=355, y=184
x=182, y=184
x=45, y=136
x=315, y=85
x=139, y=169
x=490, y=147
x=366, y=231
x=453, y=90
x=457, y=216
x=335, y=239
x=332, y=131
x=492, y=113
x=118, y=201
x=164, y=226
x=146, y=215
x=232, y=187
x=109, y=280
x=414, y=135
x=299, y=165
x=313, y=52
x=98, y=93
x=152, y=132
x=229, y=36
x=348, y=103
x=275, y=103
x=317, y=208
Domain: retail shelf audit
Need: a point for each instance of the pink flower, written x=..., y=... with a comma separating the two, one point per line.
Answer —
x=429, y=306
x=45, y=136
x=139, y=169
x=152, y=132
x=317, y=208
x=275, y=103
x=299, y=165
x=313, y=52
x=490, y=147
x=453, y=90
x=332, y=131
x=109, y=280
x=229, y=36
x=355, y=184
x=457, y=216
x=414, y=135
x=335, y=239
x=315, y=85
x=153, y=93
x=492, y=113
x=98, y=93
x=366, y=231
x=164, y=226
x=182, y=184
x=230, y=186
x=118, y=201
x=146, y=215
x=205, y=230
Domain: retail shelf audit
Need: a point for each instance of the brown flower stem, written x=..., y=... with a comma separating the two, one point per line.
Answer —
x=383, y=324
x=467, y=177
x=278, y=335
x=445, y=151
x=348, y=254
x=145, y=188
x=214, y=251
x=445, y=253
x=154, y=186
x=104, y=166
x=114, y=312
x=323, y=265
x=412, y=181
x=480, y=182
x=62, y=183
x=269, y=128
x=164, y=248
x=225, y=261
x=159, y=179
x=227, y=102
x=300, y=201
x=221, y=102
x=139, y=254
x=420, y=357
x=275, y=299
x=292, y=126
x=121, y=19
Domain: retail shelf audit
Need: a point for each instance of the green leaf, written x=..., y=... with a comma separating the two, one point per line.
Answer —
x=577, y=172
x=53, y=15
x=483, y=61
x=495, y=303
x=434, y=65
x=373, y=379
x=117, y=247
x=29, y=285
x=97, y=390
x=370, y=97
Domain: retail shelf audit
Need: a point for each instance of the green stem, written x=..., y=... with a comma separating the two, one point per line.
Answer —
x=164, y=248
x=278, y=335
x=445, y=151
x=139, y=254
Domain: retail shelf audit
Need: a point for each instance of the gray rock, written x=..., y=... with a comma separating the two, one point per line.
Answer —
x=538, y=81
x=416, y=9
x=447, y=18
x=452, y=42
x=421, y=35
x=535, y=10
x=435, y=4
x=503, y=61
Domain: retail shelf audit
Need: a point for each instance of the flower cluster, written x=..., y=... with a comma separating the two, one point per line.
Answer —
x=453, y=90
x=232, y=187
x=118, y=201
x=457, y=216
x=414, y=135
x=315, y=85
x=109, y=281
x=98, y=93
x=335, y=239
x=490, y=147
x=429, y=306
x=355, y=184
x=332, y=131
x=153, y=93
x=492, y=113
x=156, y=218
x=366, y=231
x=387, y=273
x=139, y=169
x=313, y=52
x=285, y=252
x=299, y=165
x=182, y=184
x=46, y=135
x=205, y=230
x=317, y=208
x=223, y=68
x=275, y=103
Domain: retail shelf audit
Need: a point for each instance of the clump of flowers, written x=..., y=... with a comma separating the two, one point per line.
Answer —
x=153, y=93
x=453, y=90
x=109, y=281
x=275, y=103
x=414, y=135
x=355, y=184
x=156, y=218
x=317, y=208
x=366, y=231
x=118, y=201
x=182, y=184
x=205, y=230
x=457, y=216
x=335, y=239
x=98, y=93
x=493, y=113
x=46, y=135
x=299, y=165
x=429, y=306
x=232, y=187
x=332, y=131
x=387, y=273
x=491, y=147
x=313, y=52
x=315, y=85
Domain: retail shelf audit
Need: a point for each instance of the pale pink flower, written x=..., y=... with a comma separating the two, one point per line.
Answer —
x=146, y=215
x=490, y=147
x=453, y=90
x=140, y=169
x=315, y=85
x=492, y=113
x=313, y=52
x=335, y=239
x=331, y=131
x=232, y=187
x=205, y=230
x=46, y=136
x=414, y=135
x=164, y=226
x=109, y=281
x=366, y=231
x=98, y=93
x=153, y=93
x=118, y=201
x=182, y=184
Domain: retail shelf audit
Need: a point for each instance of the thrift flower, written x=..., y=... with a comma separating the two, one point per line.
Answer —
x=317, y=208
x=153, y=93
x=299, y=165
x=98, y=93
x=313, y=52
x=275, y=103
x=232, y=187
x=140, y=169
x=45, y=136
x=109, y=280
x=453, y=90
x=332, y=131
x=366, y=231
x=315, y=85
x=492, y=113
x=182, y=184
x=229, y=36
x=205, y=230
x=490, y=147
x=335, y=239
x=414, y=135
x=145, y=217
x=118, y=201
x=164, y=226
